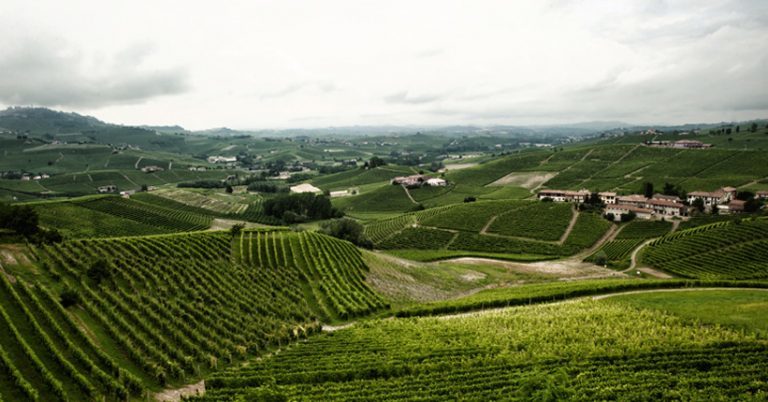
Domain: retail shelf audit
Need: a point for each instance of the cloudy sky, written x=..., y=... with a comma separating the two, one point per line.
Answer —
x=259, y=64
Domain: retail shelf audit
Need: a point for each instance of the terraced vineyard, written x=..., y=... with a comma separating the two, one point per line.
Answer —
x=586, y=350
x=727, y=249
x=168, y=309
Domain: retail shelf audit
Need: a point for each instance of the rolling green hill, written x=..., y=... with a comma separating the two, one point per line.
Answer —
x=165, y=309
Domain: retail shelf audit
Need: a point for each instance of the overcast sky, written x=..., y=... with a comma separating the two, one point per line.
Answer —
x=259, y=64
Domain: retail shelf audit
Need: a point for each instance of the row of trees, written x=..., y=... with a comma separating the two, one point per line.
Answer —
x=303, y=207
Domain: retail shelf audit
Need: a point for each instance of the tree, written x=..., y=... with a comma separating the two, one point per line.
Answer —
x=229, y=189
x=698, y=204
x=295, y=208
x=601, y=258
x=144, y=188
x=738, y=128
x=347, y=229
x=648, y=189
x=98, y=271
x=69, y=297
x=236, y=229
x=470, y=199
x=628, y=216
x=753, y=127
x=375, y=162
x=21, y=219
x=611, y=217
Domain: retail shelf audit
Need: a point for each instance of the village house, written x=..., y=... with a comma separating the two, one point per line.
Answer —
x=306, y=188
x=710, y=198
x=632, y=199
x=565, y=195
x=152, y=169
x=436, y=182
x=409, y=181
x=622, y=209
x=665, y=197
x=761, y=195
x=690, y=144
x=222, y=159
x=666, y=207
x=107, y=189
x=340, y=193
x=607, y=197
x=732, y=207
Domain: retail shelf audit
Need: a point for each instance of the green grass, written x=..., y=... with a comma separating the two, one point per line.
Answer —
x=742, y=309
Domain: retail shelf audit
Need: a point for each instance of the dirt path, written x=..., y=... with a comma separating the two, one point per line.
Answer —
x=174, y=395
x=609, y=235
x=129, y=180
x=675, y=226
x=571, y=224
x=408, y=193
x=136, y=165
x=632, y=292
x=333, y=328
x=612, y=164
x=753, y=182
x=635, y=252
x=484, y=230
x=564, y=270
x=170, y=166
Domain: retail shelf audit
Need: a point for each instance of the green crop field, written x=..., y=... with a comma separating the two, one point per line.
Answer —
x=585, y=350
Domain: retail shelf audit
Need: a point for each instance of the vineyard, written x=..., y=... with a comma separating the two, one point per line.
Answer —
x=617, y=252
x=514, y=227
x=725, y=249
x=585, y=350
x=168, y=309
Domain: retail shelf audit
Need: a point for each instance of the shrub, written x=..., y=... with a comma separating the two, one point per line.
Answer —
x=347, y=229
x=69, y=297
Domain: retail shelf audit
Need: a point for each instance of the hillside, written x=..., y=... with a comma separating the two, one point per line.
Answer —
x=583, y=350
x=511, y=227
x=152, y=311
x=727, y=249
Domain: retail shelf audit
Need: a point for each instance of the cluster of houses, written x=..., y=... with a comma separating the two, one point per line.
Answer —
x=418, y=180
x=680, y=144
x=152, y=169
x=28, y=177
x=658, y=206
x=222, y=159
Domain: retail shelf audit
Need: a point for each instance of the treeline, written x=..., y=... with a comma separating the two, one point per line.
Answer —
x=303, y=207
x=23, y=220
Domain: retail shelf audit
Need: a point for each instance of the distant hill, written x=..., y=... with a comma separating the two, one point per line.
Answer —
x=37, y=120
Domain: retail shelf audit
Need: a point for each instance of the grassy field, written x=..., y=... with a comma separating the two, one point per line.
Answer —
x=741, y=309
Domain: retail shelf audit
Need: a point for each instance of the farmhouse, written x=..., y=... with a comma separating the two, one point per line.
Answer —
x=409, y=181
x=690, y=144
x=761, y=195
x=665, y=207
x=733, y=207
x=222, y=159
x=711, y=198
x=152, y=169
x=436, y=182
x=665, y=197
x=607, y=197
x=107, y=189
x=340, y=193
x=621, y=209
x=632, y=199
x=306, y=188
x=565, y=195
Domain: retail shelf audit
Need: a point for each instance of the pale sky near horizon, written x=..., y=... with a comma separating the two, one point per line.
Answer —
x=264, y=64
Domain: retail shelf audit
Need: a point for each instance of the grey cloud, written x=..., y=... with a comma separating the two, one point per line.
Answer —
x=319, y=86
x=49, y=72
x=404, y=97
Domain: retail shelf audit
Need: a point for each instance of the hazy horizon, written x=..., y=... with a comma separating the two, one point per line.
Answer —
x=300, y=64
